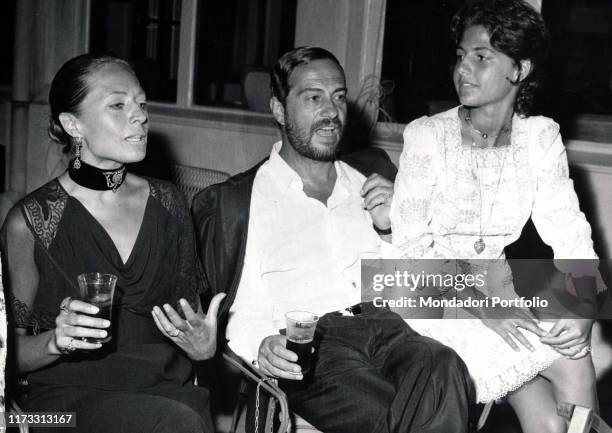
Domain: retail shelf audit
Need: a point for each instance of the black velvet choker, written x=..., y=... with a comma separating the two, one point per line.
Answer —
x=96, y=178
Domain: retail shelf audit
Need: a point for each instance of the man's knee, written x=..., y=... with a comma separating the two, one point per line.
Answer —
x=448, y=368
x=444, y=358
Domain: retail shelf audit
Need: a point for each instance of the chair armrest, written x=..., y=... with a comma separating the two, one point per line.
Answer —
x=14, y=407
x=255, y=375
x=582, y=419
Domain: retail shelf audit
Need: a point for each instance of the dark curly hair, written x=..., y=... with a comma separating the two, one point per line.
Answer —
x=69, y=88
x=516, y=29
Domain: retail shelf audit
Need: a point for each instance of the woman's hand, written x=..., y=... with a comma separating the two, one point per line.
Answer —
x=570, y=337
x=197, y=334
x=507, y=322
x=71, y=327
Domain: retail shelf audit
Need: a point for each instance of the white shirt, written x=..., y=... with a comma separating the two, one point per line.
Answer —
x=300, y=254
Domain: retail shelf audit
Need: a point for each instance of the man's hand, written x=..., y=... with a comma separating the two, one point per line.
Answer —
x=570, y=337
x=276, y=360
x=377, y=193
x=197, y=334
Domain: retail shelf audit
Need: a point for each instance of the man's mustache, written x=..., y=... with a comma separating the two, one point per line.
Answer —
x=324, y=123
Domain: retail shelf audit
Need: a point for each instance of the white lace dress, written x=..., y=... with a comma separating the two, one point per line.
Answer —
x=448, y=195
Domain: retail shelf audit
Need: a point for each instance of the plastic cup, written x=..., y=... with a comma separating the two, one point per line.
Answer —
x=98, y=289
x=300, y=331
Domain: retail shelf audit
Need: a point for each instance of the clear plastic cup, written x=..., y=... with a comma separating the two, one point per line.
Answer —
x=300, y=331
x=98, y=289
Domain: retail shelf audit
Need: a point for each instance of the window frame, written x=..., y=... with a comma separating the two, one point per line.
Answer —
x=184, y=105
x=586, y=127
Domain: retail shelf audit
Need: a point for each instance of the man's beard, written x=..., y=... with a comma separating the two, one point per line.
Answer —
x=300, y=140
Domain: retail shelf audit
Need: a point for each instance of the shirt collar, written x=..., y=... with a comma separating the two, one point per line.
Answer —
x=286, y=177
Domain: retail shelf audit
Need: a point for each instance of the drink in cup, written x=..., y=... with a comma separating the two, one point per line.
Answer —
x=98, y=289
x=301, y=327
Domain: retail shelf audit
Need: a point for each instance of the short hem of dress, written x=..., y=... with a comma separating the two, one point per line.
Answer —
x=526, y=378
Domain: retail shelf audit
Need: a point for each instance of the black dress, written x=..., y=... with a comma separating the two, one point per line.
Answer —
x=139, y=376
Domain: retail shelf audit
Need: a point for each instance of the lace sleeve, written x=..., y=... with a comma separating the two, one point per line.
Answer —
x=189, y=283
x=556, y=211
x=20, y=274
x=414, y=187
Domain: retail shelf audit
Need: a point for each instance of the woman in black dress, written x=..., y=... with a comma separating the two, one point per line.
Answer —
x=97, y=218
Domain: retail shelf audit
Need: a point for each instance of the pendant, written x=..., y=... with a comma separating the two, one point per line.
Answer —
x=479, y=246
x=114, y=179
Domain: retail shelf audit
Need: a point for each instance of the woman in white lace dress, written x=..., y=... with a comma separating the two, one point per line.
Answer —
x=469, y=180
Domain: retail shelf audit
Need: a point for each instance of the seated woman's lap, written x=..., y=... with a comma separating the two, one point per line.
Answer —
x=160, y=410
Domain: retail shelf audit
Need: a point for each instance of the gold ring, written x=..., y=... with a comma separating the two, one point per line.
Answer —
x=175, y=333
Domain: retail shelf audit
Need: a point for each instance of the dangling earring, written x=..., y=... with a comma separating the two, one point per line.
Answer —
x=77, y=153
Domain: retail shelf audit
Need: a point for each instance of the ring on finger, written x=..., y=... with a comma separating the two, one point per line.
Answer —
x=64, y=306
x=174, y=333
x=579, y=352
x=69, y=348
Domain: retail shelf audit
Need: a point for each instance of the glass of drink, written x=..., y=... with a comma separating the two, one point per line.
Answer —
x=98, y=289
x=301, y=327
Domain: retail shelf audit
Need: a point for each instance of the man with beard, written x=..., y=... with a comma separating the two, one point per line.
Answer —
x=289, y=235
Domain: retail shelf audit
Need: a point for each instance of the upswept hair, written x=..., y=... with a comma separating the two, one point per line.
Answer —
x=69, y=88
x=516, y=29
x=279, y=77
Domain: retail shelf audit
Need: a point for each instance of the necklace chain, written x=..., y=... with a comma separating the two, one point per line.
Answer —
x=480, y=245
x=504, y=129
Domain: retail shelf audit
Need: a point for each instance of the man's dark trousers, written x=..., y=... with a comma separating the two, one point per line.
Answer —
x=372, y=373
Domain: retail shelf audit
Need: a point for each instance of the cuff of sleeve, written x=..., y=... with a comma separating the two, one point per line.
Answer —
x=382, y=232
x=246, y=346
